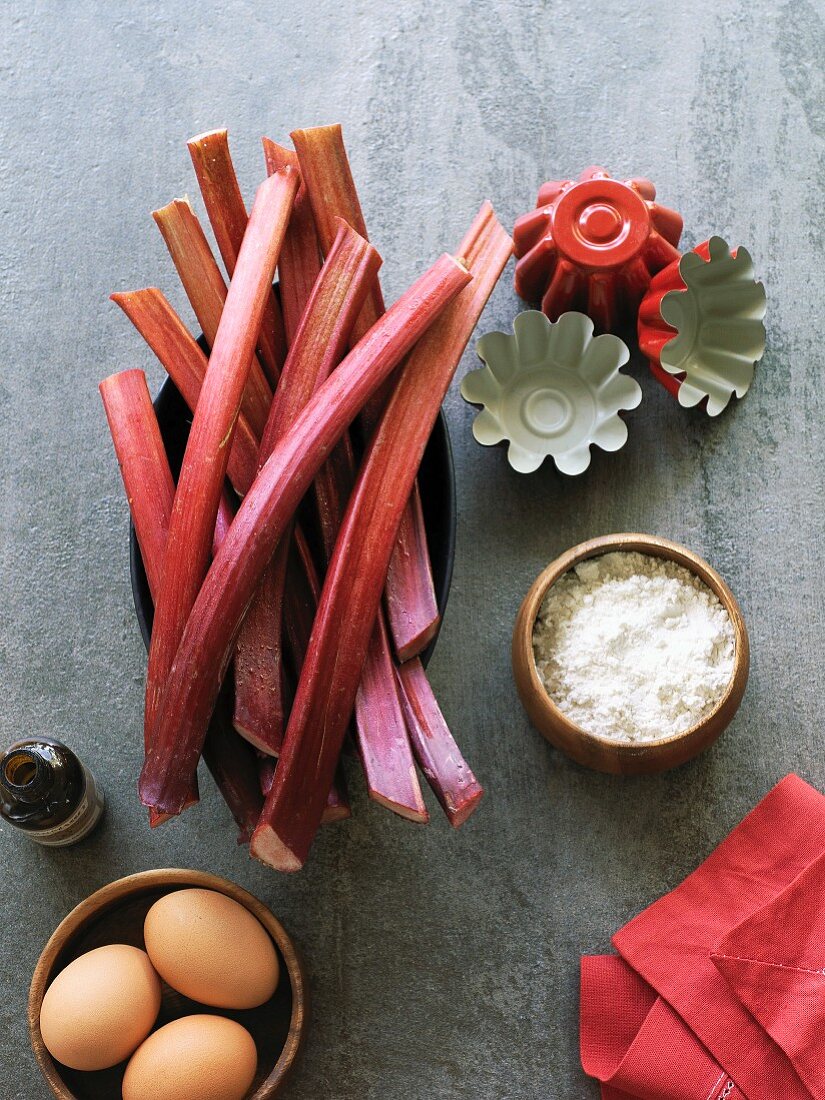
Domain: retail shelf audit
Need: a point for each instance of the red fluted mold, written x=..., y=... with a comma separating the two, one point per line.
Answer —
x=593, y=244
x=654, y=331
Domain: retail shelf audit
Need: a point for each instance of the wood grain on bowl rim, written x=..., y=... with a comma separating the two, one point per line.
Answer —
x=607, y=754
x=106, y=899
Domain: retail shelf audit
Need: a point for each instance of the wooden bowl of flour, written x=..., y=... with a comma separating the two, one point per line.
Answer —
x=607, y=754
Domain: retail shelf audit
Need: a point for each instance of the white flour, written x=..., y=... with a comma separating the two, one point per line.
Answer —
x=633, y=647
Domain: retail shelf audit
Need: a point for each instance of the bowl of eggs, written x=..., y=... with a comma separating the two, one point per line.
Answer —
x=168, y=985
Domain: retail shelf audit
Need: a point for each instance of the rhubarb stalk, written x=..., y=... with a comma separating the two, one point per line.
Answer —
x=327, y=176
x=337, y=807
x=381, y=732
x=203, y=471
x=186, y=365
x=150, y=489
x=352, y=588
x=206, y=646
x=380, y=725
x=300, y=261
x=182, y=359
x=144, y=467
x=227, y=215
x=260, y=712
x=206, y=290
x=234, y=767
x=411, y=603
x=303, y=590
x=450, y=777
x=319, y=345
x=409, y=593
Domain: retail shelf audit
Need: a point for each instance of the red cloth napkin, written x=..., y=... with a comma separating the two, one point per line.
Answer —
x=672, y=947
x=636, y=1045
x=774, y=962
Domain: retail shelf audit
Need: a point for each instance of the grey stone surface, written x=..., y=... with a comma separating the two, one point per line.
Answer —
x=443, y=964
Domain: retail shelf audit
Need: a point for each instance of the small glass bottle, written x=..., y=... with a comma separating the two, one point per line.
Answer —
x=47, y=793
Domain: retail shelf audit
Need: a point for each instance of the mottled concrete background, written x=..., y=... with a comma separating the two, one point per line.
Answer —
x=443, y=964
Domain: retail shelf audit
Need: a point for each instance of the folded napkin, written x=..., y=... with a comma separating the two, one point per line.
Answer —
x=636, y=1045
x=774, y=963
x=702, y=951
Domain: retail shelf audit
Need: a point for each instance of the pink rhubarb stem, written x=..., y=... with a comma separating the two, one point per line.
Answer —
x=302, y=594
x=227, y=215
x=380, y=730
x=206, y=290
x=303, y=590
x=234, y=767
x=411, y=603
x=318, y=347
x=352, y=588
x=325, y=167
x=412, y=607
x=150, y=489
x=300, y=262
x=182, y=359
x=206, y=645
x=450, y=777
x=144, y=467
x=337, y=807
x=380, y=725
x=202, y=474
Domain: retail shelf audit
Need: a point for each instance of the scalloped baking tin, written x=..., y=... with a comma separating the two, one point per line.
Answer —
x=593, y=244
x=701, y=325
x=551, y=389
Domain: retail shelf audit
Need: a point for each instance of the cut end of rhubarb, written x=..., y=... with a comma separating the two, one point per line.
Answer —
x=267, y=847
x=449, y=775
x=416, y=645
x=277, y=155
x=160, y=817
x=262, y=744
x=207, y=135
x=458, y=815
x=163, y=212
x=418, y=815
x=338, y=812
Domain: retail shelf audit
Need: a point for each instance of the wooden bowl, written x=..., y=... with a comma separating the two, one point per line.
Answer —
x=115, y=914
x=603, y=753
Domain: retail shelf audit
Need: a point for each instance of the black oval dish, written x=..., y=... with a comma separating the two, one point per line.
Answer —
x=436, y=480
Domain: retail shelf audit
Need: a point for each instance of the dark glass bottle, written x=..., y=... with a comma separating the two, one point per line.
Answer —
x=47, y=793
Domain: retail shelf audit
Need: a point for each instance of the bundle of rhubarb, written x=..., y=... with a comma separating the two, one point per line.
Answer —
x=289, y=566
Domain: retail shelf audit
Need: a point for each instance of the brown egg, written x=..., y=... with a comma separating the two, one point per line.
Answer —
x=100, y=1008
x=194, y=1058
x=212, y=949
